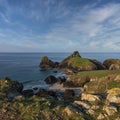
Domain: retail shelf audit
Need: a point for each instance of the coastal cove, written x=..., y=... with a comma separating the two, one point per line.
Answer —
x=91, y=91
x=24, y=67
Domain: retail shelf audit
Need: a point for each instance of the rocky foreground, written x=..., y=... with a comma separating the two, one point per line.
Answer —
x=91, y=91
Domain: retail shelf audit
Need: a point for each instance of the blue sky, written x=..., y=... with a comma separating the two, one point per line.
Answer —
x=59, y=25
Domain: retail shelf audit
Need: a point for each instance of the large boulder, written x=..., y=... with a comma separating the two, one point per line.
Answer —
x=51, y=79
x=47, y=63
x=109, y=62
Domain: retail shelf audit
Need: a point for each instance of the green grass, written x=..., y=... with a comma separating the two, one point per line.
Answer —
x=77, y=61
x=98, y=73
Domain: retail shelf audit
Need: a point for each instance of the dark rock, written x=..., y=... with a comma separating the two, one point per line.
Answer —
x=55, y=71
x=98, y=64
x=47, y=63
x=68, y=94
x=42, y=93
x=28, y=93
x=52, y=93
x=61, y=80
x=51, y=79
x=35, y=88
x=46, y=93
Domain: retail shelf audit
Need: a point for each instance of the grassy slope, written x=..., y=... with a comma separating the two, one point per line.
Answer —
x=98, y=73
x=77, y=61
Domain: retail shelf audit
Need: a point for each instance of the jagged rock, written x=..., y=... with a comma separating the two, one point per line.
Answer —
x=113, y=95
x=110, y=110
x=89, y=97
x=47, y=63
x=109, y=62
x=114, y=67
x=51, y=79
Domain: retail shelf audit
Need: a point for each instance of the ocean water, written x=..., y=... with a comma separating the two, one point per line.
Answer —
x=24, y=67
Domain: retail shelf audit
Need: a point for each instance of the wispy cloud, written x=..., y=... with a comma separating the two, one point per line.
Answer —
x=59, y=26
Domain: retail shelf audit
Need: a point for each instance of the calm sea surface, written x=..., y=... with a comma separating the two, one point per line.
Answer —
x=24, y=67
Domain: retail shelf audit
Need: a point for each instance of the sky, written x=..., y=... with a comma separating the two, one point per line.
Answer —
x=59, y=25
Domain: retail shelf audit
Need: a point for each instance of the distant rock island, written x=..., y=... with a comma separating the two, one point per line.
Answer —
x=91, y=91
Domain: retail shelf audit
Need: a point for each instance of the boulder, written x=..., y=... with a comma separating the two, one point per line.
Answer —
x=47, y=63
x=51, y=79
x=90, y=97
x=109, y=62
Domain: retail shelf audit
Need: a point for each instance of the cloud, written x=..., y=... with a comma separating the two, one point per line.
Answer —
x=58, y=26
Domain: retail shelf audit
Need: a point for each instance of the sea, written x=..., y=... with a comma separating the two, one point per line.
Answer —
x=24, y=67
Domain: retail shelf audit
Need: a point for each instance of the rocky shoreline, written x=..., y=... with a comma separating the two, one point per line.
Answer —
x=91, y=91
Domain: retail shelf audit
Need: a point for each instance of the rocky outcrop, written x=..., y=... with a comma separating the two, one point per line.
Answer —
x=75, y=63
x=112, y=63
x=47, y=63
x=72, y=64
